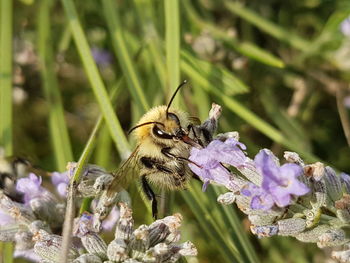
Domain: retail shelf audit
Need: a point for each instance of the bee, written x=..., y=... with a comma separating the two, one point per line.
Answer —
x=164, y=139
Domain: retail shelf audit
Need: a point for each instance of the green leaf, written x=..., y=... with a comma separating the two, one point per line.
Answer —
x=172, y=44
x=267, y=26
x=95, y=80
x=6, y=76
x=111, y=14
x=214, y=74
x=58, y=128
x=245, y=48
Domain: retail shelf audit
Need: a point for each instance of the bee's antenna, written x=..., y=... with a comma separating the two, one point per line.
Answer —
x=143, y=124
x=172, y=97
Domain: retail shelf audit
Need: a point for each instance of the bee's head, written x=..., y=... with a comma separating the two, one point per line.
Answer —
x=162, y=126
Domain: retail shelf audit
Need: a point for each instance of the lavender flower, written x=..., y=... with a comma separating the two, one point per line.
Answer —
x=110, y=221
x=208, y=162
x=30, y=187
x=279, y=183
x=101, y=56
x=345, y=27
x=61, y=181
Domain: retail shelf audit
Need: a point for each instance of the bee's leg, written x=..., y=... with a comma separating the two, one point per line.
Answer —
x=150, y=195
x=192, y=128
x=167, y=153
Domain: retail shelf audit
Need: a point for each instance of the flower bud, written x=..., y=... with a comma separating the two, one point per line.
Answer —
x=341, y=256
x=331, y=238
x=264, y=231
x=261, y=219
x=311, y=236
x=88, y=258
x=320, y=196
x=125, y=223
x=23, y=240
x=187, y=249
x=139, y=242
x=333, y=184
x=291, y=226
x=117, y=250
x=227, y=198
x=49, y=247
x=316, y=171
x=94, y=244
x=7, y=233
x=293, y=157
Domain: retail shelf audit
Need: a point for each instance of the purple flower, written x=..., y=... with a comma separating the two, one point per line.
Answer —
x=345, y=27
x=83, y=225
x=101, y=56
x=110, y=221
x=279, y=183
x=61, y=181
x=260, y=198
x=30, y=187
x=208, y=162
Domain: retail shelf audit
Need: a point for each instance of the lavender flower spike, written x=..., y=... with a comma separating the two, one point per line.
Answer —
x=61, y=181
x=30, y=187
x=208, y=162
x=279, y=183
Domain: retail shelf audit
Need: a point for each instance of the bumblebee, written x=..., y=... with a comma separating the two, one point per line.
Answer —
x=164, y=139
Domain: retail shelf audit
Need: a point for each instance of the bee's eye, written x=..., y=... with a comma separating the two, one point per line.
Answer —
x=174, y=117
x=161, y=134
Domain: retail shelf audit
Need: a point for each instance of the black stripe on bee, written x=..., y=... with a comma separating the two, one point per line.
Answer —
x=153, y=164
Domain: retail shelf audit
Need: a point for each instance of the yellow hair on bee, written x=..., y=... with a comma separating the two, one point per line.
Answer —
x=158, y=114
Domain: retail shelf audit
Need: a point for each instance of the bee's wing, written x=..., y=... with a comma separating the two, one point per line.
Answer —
x=125, y=174
x=194, y=120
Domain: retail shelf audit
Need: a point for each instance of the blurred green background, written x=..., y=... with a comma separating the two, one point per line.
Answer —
x=279, y=68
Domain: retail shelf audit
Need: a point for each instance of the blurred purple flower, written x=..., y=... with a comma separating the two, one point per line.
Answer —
x=61, y=181
x=101, y=56
x=208, y=162
x=110, y=221
x=346, y=102
x=345, y=27
x=30, y=187
x=5, y=219
x=279, y=183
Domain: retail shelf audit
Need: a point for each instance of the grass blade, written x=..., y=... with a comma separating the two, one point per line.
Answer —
x=215, y=74
x=247, y=49
x=6, y=76
x=208, y=225
x=96, y=82
x=172, y=45
x=265, y=25
x=111, y=13
x=58, y=129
